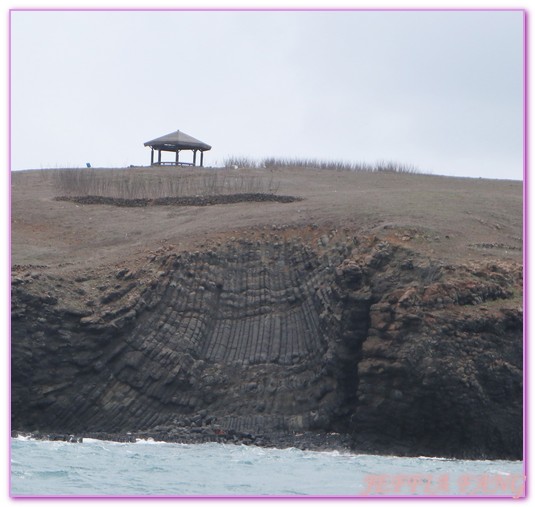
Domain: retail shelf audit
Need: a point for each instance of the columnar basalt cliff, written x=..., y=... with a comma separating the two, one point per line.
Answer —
x=277, y=333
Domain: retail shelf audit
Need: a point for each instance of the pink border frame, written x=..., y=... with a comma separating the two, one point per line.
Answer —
x=525, y=245
x=525, y=249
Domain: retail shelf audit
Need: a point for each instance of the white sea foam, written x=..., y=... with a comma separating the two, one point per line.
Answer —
x=23, y=438
x=93, y=441
x=434, y=458
x=149, y=441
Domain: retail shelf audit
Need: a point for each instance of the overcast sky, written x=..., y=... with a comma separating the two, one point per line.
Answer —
x=440, y=90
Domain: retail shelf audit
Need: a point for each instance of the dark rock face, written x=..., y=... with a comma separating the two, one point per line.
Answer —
x=358, y=337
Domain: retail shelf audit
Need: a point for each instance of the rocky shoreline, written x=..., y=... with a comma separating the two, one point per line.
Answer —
x=309, y=441
x=305, y=441
x=346, y=342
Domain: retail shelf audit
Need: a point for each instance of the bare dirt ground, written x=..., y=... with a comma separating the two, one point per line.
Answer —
x=455, y=219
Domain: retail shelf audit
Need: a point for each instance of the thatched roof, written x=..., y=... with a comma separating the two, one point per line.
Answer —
x=178, y=140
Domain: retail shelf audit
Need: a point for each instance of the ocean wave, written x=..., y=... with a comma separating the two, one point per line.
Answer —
x=95, y=441
x=23, y=438
x=52, y=473
x=435, y=458
x=216, y=469
x=149, y=441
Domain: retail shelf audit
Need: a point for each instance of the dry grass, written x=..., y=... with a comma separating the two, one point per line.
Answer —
x=134, y=184
x=273, y=163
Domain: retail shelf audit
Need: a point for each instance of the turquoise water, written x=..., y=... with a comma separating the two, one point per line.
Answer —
x=146, y=468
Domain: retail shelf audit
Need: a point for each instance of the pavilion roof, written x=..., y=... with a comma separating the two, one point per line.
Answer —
x=178, y=140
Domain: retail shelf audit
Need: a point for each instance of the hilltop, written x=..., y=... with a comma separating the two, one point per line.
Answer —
x=458, y=218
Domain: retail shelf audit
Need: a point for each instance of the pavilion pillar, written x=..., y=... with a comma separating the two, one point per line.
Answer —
x=176, y=158
x=159, y=157
x=202, y=157
x=152, y=156
x=194, y=157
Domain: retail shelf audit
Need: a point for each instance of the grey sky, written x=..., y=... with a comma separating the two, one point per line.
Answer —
x=440, y=90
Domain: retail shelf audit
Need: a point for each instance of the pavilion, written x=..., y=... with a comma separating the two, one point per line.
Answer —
x=176, y=142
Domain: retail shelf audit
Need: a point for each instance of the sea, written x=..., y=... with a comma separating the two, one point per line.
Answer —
x=147, y=468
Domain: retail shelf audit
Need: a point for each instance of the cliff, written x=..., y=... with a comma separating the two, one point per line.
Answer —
x=279, y=330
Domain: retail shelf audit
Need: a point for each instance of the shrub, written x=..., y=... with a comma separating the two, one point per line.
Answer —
x=131, y=184
x=280, y=163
